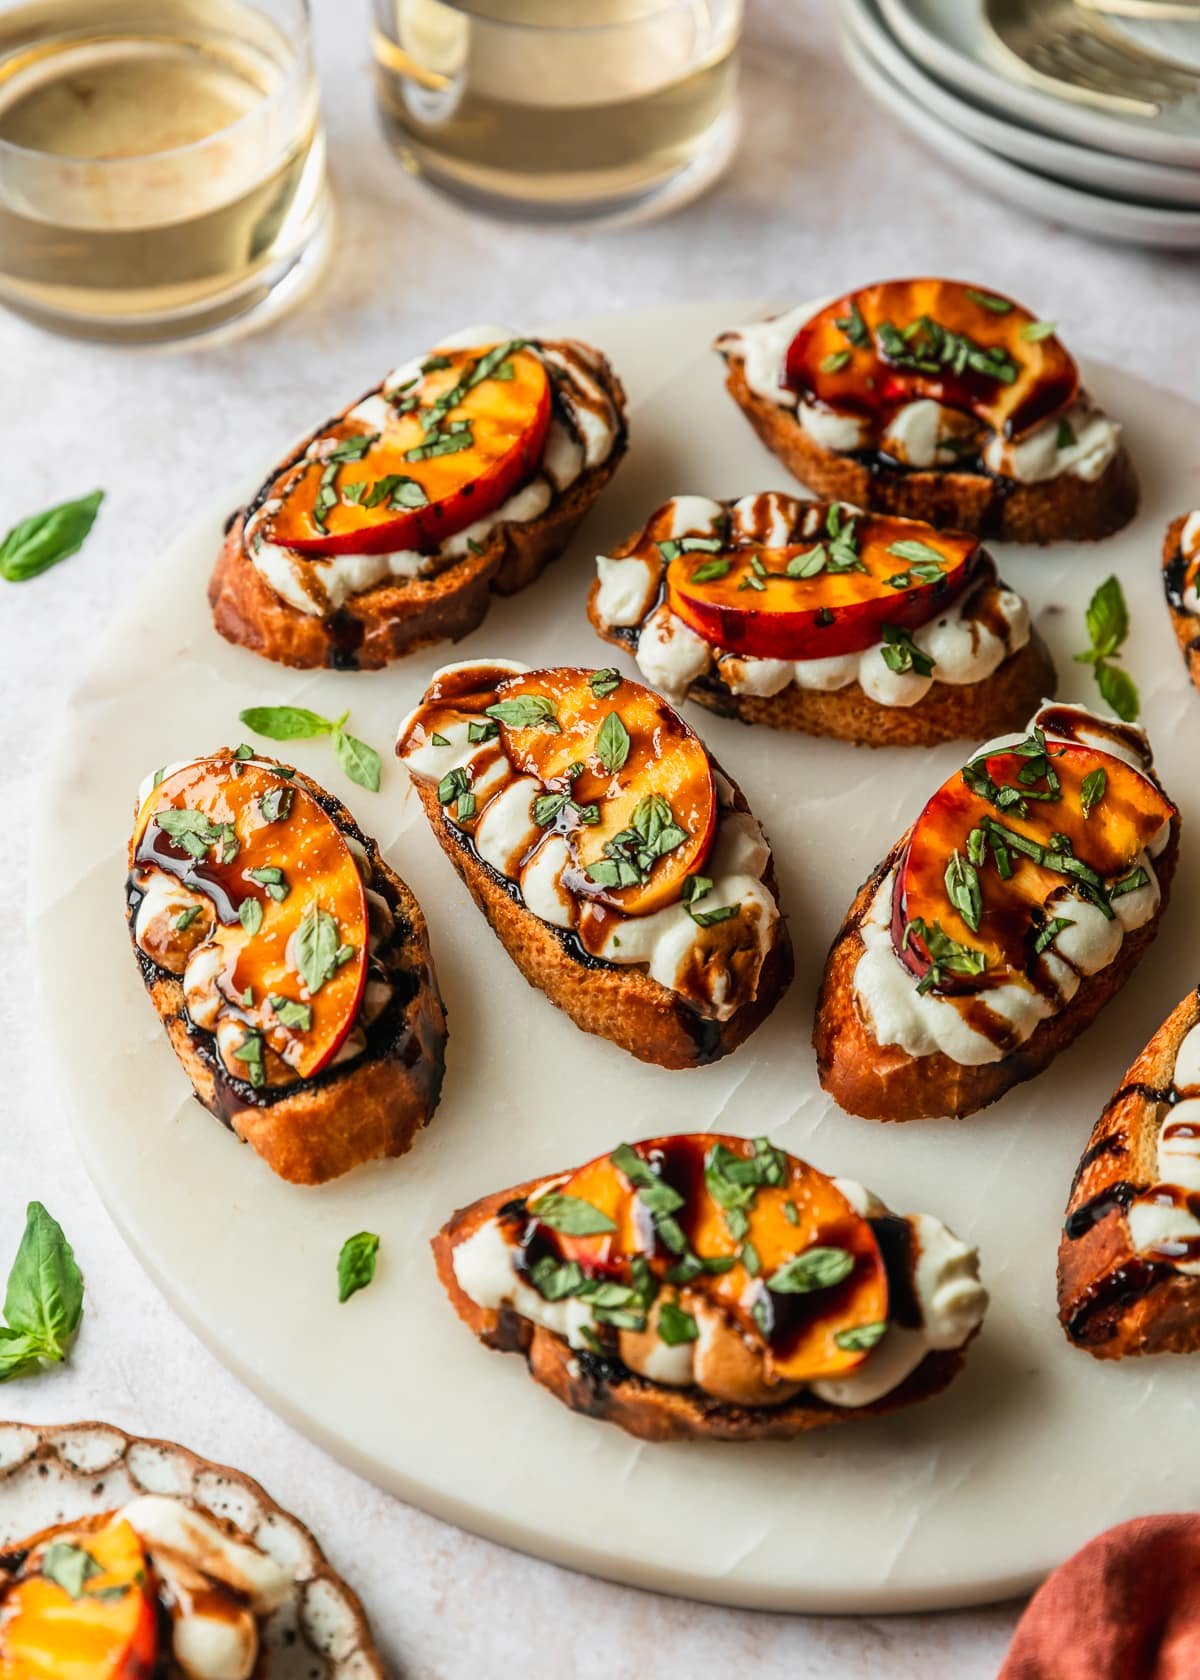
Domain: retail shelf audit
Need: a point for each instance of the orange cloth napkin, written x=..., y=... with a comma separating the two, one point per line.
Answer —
x=1126, y=1607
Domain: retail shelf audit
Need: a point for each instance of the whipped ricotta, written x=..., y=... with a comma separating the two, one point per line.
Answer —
x=924, y=433
x=584, y=427
x=967, y=642
x=945, y=1283
x=695, y=962
x=885, y=989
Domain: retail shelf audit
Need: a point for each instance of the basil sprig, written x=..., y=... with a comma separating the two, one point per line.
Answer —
x=1107, y=619
x=43, y=1304
x=630, y=855
x=296, y=723
x=356, y=1263
x=41, y=541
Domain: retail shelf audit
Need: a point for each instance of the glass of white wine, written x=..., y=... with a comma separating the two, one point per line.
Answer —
x=162, y=166
x=561, y=109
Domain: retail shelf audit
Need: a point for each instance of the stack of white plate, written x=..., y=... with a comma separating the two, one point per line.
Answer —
x=935, y=65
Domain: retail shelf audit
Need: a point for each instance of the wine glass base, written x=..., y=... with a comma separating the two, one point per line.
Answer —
x=642, y=203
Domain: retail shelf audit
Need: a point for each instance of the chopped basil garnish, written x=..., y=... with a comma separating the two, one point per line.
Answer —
x=546, y=808
x=276, y=804
x=710, y=918
x=675, y=1325
x=439, y=740
x=661, y=1201
x=452, y=786
x=572, y=1215
x=1033, y=332
x=1092, y=790
x=901, y=654
x=1064, y=437
x=912, y=550
x=808, y=564
x=194, y=833
x=487, y=730
x=860, y=1338
x=612, y=743
x=603, y=683
x=836, y=361
x=296, y=1016
x=946, y=955
x=925, y=346
x=854, y=327
x=70, y=1567
x=817, y=1268
x=250, y=1053
x=630, y=855
x=274, y=880
x=711, y=570
x=986, y=300
x=351, y=448
x=318, y=948
x=526, y=711
x=963, y=890
x=186, y=917
x=250, y=914
x=1050, y=932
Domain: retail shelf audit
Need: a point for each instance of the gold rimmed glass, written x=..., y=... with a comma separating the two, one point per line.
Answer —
x=162, y=165
x=557, y=110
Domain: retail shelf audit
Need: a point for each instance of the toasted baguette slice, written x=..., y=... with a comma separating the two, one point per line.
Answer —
x=600, y=1385
x=1112, y=1300
x=885, y=1082
x=1063, y=509
x=946, y=711
x=365, y=1109
x=398, y=617
x=621, y=1003
x=1185, y=624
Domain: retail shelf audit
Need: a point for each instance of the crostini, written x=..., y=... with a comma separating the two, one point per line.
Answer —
x=815, y=616
x=1129, y=1258
x=939, y=401
x=464, y=473
x=995, y=930
x=707, y=1287
x=289, y=963
x=621, y=870
x=157, y=1587
x=1181, y=580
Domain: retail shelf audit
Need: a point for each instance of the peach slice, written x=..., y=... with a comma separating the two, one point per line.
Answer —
x=764, y=1236
x=92, y=1616
x=999, y=838
x=831, y=596
x=457, y=444
x=970, y=349
x=291, y=911
x=642, y=808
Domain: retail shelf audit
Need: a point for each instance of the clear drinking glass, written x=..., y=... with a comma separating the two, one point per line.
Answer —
x=560, y=109
x=162, y=166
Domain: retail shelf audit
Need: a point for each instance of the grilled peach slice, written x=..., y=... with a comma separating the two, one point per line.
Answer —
x=766, y=1237
x=454, y=446
x=286, y=905
x=84, y=1612
x=1007, y=832
x=831, y=596
x=975, y=351
x=614, y=752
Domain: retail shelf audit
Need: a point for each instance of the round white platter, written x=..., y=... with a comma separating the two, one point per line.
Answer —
x=70, y=1472
x=950, y=38
x=971, y=1497
x=1107, y=218
x=1082, y=166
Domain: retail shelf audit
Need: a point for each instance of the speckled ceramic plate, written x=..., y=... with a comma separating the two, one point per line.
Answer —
x=70, y=1471
x=1033, y=1450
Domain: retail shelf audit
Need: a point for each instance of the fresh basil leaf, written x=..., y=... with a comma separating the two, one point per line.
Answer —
x=186, y=917
x=1033, y=332
x=908, y=550
x=836, y=361
x=816, y=1268
x=1050, y=932
x=675, y=1325
x=695, y=887
x=571, y=1215
x=317, y=948
x=297, y=1017
x=1064, y=436
x=69, y=1567
x=612, y=743
x=546, y=808
x=42, y=540
x=487, y=730
x=711, y=570
x=285, y=723
x=860, y=1338
x=439, y=740
x=453, y=785
x=555, y=1280
x=356, y=1263
x=900, y=653
x=1092, y=790
x=276, y=804
x=710, y=918
x=20, y=1354
x=360, y=762
x=1107, y=618
x=250, y=914
x=44, y=1299
x=963, y=889
x=351, y=448
x=1119, y=691
x=808, y=564
x=603, y=683
x=985, y=300
x=526, y=711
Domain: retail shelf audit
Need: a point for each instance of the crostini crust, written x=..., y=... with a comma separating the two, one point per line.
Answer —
x=375, y=1107
x=883, y=1082
x=1112, y=1301
x=651, y=1411
x=391, y=620
x=1185, y=625
x=1062, y=509
x=622, y=1004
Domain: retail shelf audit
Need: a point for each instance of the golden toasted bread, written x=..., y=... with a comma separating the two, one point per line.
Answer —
x=1112, y=1300
x=363, y=1109
x=1062, y=509
x=1185, y=624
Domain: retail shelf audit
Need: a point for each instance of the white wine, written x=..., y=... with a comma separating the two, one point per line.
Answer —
x=517, y=104
x=161, y=163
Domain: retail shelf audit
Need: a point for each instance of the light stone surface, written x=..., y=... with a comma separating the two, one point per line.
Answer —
x=825, y=193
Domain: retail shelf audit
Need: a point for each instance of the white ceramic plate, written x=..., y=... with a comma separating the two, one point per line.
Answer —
x=1081, y=166
x=71, y=1471
x=1106, y=218
x=949, y=38
x=970, y=1497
